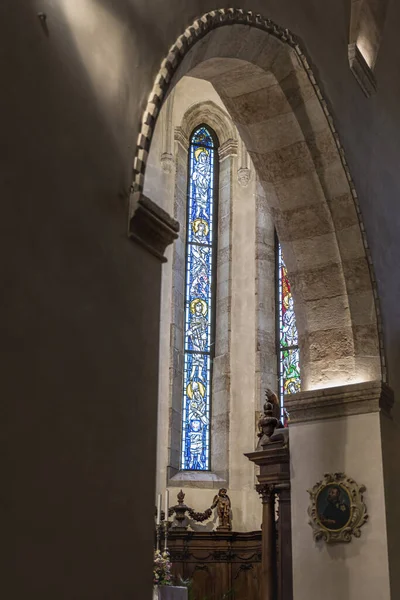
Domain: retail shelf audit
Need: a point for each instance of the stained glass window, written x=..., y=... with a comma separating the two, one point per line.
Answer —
x=201, y=234
x=289, y=365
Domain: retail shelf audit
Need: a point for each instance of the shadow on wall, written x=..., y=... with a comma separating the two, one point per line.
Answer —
x=83, y=80
x=70, y=308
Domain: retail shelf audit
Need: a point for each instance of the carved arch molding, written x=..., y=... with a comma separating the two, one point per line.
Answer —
x=208, y=112
x=340, y=341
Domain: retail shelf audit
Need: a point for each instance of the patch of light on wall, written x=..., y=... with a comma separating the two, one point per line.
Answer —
x=98, y=37
x=364, y=47
x=332, y=383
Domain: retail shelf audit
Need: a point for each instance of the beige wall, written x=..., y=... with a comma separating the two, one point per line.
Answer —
x=359, y=569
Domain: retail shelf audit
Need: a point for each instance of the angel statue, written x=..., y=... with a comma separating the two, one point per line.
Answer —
x=223, y=505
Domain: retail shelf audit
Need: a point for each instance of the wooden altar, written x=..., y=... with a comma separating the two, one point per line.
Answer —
x=219, y=563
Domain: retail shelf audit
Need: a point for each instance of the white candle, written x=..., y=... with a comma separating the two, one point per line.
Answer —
x=166, y=504
x=159, y=509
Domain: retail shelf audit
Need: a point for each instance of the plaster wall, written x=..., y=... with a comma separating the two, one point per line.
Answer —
x=359, y=569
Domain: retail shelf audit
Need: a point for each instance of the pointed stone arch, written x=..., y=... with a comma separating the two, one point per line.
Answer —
x=270, y=91
x=214, y=116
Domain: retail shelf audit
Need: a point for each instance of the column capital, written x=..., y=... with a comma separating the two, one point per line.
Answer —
x=266, y=492
x=167, y=162
x=152, y=227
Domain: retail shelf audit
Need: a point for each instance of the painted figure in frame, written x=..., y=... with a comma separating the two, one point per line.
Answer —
x=333, y=507
x=337, y=510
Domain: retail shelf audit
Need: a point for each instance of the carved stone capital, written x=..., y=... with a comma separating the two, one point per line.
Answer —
x=343, y=401
x=361, y=70
x=152, y=227
x=228, y=148
x=243, y=176
x=266, y=492
x=167, y=162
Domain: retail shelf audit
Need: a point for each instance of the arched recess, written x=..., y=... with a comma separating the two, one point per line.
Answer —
x=268, y=87
x=213, y=116
x=210, y=113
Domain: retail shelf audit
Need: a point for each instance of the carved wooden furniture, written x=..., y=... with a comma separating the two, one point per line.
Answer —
x=273, y=459
x=218, y=562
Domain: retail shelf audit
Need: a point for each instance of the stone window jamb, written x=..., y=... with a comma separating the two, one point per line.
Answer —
x=219, y=474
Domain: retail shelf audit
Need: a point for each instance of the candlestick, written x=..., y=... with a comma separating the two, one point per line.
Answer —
x=159, y=509
x=166, y=504
x=166, y=521
x=158, y=533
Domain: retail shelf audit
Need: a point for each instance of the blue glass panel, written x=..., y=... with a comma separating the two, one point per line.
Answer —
x=198, y=304
x=202, y=137
x=289, y=363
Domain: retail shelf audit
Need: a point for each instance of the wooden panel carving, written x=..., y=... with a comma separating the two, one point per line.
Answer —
x=246, y=583
x=221, y=564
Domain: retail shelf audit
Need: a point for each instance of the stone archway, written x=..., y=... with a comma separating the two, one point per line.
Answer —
x=267, y=85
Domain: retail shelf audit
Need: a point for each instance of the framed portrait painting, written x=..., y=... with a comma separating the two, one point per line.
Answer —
x=337, y=509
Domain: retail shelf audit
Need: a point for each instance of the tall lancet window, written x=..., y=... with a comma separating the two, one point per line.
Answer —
x=289, y=364
x=201, y=240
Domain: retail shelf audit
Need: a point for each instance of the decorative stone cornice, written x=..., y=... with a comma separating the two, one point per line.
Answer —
x=152, y=227
x=343, y=401
x=361, y=70
x=229, y=148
